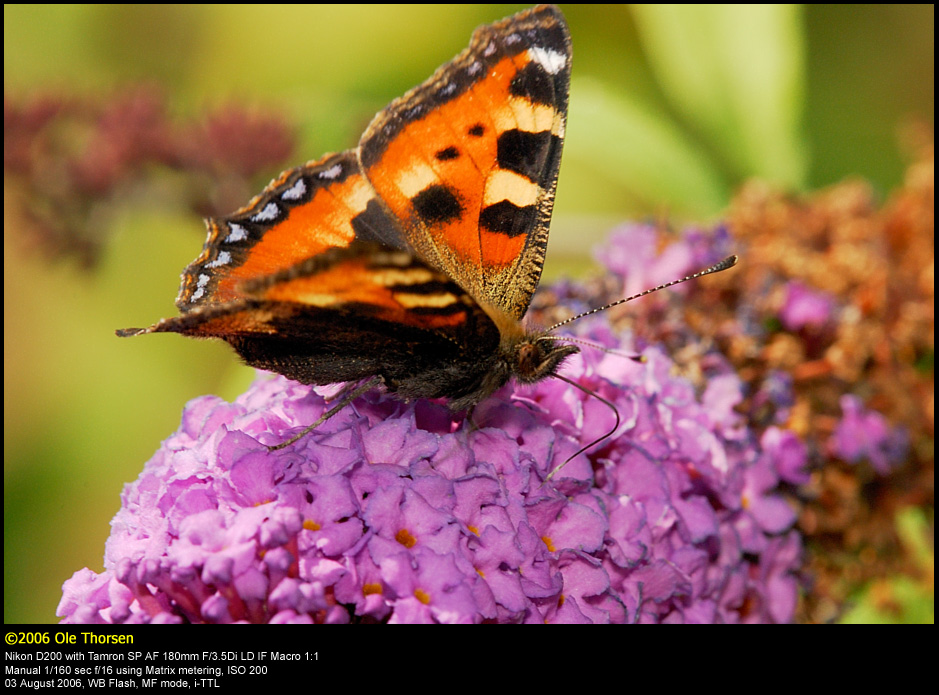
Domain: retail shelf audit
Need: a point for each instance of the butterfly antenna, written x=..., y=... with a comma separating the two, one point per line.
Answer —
x=728, y=262
x=595, y=441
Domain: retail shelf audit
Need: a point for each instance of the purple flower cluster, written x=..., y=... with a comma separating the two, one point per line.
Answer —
x=634, y=253
x=864, y=434
x=405, y=513
x=804, y=306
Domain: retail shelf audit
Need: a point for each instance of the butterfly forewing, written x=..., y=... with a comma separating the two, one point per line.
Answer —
x=468, y=161
x=304, y=212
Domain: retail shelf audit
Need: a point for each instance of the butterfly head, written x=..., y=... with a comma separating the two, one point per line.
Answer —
x=538, y=356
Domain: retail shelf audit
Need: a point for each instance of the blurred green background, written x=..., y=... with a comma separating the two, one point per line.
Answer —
x=672, y=107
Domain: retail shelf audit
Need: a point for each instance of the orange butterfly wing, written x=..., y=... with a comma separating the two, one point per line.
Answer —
x=468, y=161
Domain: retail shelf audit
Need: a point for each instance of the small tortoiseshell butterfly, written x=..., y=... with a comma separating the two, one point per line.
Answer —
x=409, y=261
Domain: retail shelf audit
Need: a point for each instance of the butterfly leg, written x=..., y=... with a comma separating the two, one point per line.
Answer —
x=341, y=394
x=469, y=416
x=348, y=395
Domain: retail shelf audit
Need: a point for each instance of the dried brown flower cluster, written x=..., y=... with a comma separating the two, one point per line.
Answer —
x=879, y=266
x=71, y=163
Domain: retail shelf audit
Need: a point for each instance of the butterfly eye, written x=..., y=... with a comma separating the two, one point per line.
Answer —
x=529, y=356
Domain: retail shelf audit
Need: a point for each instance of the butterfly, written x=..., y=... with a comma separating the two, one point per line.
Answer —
x=410, y=261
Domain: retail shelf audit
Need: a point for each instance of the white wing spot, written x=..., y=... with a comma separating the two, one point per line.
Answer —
x=295, y=192
x=202, y=282
x=332, y=172
x=552, y=61
x=224, y=258
x=270, y=212
x=236, y=233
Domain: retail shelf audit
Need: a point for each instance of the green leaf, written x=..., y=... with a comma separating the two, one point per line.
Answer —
x=645, y=153
x=735, y=73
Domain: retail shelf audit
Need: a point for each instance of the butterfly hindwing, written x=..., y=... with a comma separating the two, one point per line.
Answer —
x=350, y=313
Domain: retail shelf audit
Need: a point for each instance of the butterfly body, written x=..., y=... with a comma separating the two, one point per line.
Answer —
x=409, y=261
